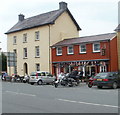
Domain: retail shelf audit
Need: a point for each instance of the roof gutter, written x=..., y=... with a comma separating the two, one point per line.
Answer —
x=80, y=43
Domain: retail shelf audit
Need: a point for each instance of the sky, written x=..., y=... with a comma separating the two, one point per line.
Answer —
x=93, y=16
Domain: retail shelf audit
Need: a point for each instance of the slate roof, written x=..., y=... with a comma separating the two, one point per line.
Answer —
x=86, y=39
x=118, y=28
x=40, y=20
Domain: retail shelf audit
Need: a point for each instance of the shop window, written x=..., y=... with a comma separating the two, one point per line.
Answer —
x=103, y=68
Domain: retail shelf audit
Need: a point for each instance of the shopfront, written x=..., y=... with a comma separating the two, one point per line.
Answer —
x=89, y=67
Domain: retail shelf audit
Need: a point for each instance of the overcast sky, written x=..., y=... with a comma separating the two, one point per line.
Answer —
x=93, y=16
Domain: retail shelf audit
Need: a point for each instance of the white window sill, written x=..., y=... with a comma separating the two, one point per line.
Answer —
x=37, y=56
x=25, y=58
x=37, y=40
x=82, y=52
x=14, y=43
x=96, y=51
x=59, y=54
x=70, y=53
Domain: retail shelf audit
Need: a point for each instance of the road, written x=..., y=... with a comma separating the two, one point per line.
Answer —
x=26, y=98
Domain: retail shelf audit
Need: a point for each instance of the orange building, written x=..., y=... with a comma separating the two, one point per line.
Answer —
x=91, y=54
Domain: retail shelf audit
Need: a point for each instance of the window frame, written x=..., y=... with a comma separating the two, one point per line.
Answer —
x=94, y=47
x=25, y=53
x=15, y=51
x=57, y=52
x=37, y=51
x=82, y=52
x=37, y=67
x=37, y=36
x=68, y=50
x=14, y=40
x=25, y=38
x=103, y=68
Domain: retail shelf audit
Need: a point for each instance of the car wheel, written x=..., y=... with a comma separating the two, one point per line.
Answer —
x=114, y=85
x=39, y=82
x=32, y=83
x=100, y=87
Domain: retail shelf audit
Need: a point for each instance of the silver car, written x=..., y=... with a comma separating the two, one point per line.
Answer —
x=41, y=77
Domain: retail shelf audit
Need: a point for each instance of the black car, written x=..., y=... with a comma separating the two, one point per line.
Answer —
x=110, y=79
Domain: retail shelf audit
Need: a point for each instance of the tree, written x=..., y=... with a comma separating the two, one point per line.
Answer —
x=3, y=62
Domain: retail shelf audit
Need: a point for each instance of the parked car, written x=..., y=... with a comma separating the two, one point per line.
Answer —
x=41, y=77
x=110, y=79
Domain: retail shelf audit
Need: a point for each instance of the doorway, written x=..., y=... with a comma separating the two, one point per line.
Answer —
x=90, y=70
x=25, y=68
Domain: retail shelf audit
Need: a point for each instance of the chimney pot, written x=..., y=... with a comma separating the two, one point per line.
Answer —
x=21, y=17
x=63, y=5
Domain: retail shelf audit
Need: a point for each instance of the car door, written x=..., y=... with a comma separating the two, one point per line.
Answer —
x=116, y=78
x=49, y=77
x=43, y=77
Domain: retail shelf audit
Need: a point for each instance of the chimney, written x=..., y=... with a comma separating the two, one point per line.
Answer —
x=63, y=5
x=21, y=17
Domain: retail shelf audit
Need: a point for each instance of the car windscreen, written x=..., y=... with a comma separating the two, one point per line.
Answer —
x=40, y=74
x=33, y=74
x=101, y=75
x=49, y=74
x=37, y=74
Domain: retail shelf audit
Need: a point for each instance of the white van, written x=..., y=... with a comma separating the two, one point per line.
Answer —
x=41, y=77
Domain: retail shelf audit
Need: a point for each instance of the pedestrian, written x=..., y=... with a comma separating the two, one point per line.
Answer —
x=93, y=73
x=81, y=75
x=74, y=73
x=61, y=76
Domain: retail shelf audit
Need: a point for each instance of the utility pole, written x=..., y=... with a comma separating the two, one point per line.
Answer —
x=118, y=35
x=0, y=60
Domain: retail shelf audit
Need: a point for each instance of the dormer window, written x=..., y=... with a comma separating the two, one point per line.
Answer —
x=59, y=51
x=70, y=50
